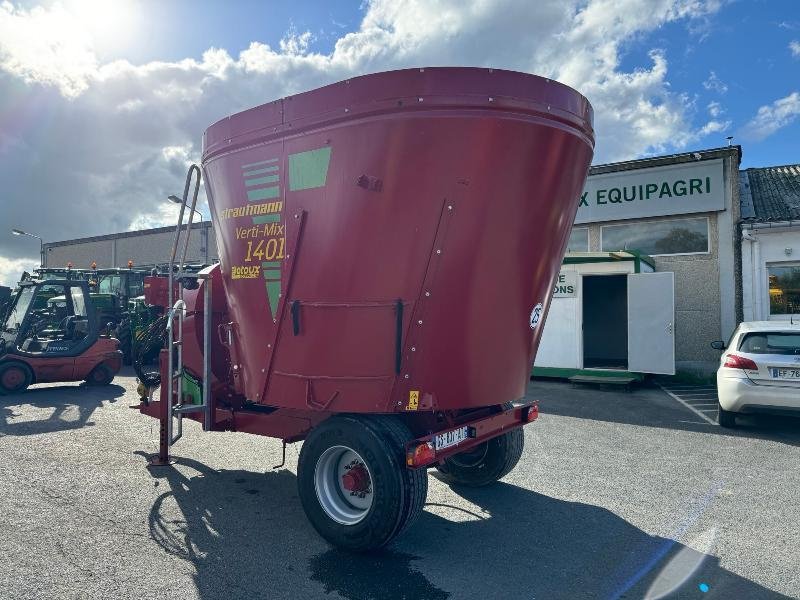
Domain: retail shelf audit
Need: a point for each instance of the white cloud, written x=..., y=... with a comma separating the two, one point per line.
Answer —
x=715, y=109
x=48, y=46
x=714, y=127
x=100, y=145
x=794, y=47
x=11, y=269
x=713, y=83
x=772, y=117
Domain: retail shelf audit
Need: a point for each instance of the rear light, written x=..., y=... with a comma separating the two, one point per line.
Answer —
x=420, y=454
x=530, y=413
x=734, y=361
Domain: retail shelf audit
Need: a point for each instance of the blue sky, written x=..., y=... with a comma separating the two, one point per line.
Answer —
x=742, y=53
x=103, y=103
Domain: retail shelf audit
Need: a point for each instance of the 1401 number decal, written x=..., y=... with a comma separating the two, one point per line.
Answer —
x=271, y=249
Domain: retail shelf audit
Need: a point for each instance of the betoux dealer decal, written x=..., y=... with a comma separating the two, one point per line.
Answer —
x=536, y=315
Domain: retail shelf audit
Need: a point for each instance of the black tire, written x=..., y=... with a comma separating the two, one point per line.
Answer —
x=399, y=492
x=725, y=418
x=123, y=334
x=15, y=377
x=100, y=375
x=486, y=463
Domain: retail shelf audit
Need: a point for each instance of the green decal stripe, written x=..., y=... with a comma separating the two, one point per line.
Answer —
x=273, y=292
x=271, y=265
x=261, y=180
x=259, y=163
x=264, y=193
x=309, y=169
x=261, y=219
x=271, y=169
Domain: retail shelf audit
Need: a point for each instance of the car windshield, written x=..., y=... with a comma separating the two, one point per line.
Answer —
x=785, y=343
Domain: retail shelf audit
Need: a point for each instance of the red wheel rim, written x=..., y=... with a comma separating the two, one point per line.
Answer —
x=13, y=378
x=99, y=375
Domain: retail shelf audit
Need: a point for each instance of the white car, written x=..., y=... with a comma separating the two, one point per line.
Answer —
x=759, y=371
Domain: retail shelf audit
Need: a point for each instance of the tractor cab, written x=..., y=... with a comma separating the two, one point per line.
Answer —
x=122, y=283
x=50, y=318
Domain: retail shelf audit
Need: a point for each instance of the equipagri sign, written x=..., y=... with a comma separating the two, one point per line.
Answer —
x=657, y=191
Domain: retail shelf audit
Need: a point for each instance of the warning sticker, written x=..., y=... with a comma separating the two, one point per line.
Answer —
x=413, y=400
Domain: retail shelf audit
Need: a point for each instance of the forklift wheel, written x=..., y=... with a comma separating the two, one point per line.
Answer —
x=14, y=378
x=353, y=482
x=485, y=463
x=100, y=375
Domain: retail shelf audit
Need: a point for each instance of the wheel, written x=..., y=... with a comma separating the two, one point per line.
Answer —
x=14, y=377
x=100, y=375
x=123, y=334
x=485, y=463
x=725, y=418
x=354, y=485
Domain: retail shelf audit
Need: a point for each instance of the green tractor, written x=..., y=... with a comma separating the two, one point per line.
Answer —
x=112, y=291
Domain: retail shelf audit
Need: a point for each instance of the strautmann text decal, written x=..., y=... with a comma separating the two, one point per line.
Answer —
x=653, y=192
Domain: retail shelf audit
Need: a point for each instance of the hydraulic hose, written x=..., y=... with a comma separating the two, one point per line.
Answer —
x=154, y=338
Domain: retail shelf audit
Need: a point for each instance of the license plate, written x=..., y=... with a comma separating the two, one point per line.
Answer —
x=785, y=373
x=451, y=438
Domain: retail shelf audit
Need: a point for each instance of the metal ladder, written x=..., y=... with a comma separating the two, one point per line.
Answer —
x=176, y=315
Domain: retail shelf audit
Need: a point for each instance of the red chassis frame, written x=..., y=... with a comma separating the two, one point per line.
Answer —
x=293, y=425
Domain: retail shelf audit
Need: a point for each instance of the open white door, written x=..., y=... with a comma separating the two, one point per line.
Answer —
x=651, y=323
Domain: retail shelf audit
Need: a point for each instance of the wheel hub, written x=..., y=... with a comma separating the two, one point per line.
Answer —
x=343, y=485
x=356, y=479
x=12, y=378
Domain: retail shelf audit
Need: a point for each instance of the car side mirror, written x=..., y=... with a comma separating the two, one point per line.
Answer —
x=718, y=345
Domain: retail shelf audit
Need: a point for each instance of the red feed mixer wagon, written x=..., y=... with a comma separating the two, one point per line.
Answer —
x=388, y=246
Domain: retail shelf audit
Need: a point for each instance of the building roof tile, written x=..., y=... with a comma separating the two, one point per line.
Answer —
x=775, y=193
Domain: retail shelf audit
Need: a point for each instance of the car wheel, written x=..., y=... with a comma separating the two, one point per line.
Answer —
x=486, y=462
x=353, y=482
x=725, y=418
x=100, y=375
x=15, y=377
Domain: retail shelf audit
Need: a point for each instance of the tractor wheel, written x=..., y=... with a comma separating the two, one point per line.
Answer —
x=100, y=375
x=123, y=334
x=14, y=377
x=485, y=463
x=353, y=482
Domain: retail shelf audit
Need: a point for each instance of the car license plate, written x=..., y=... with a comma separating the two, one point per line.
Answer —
x=785, y=373
x=451, y=438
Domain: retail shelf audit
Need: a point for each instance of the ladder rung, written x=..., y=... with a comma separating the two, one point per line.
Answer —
x=183, y=409
x=177, y=343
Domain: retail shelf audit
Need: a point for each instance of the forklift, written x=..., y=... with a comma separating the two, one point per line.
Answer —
x=51, y=332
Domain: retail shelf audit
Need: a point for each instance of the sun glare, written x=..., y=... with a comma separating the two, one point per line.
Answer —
x=111, y=24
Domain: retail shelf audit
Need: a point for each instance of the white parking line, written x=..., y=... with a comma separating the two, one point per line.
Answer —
x=692, y=387
x=695, y=411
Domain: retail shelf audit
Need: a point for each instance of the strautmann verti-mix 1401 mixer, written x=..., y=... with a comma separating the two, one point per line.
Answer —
x=388, y=246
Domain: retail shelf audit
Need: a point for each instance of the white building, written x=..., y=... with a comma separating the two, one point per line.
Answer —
x=770, y=231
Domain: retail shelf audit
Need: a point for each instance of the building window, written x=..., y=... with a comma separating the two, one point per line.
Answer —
x=578, y=240
x=784, y=288
x=658, y=238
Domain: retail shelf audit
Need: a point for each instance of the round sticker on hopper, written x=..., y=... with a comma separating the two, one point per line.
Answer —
x=536, y=315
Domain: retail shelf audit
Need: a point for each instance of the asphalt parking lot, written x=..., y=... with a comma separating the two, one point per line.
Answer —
x=618, y=495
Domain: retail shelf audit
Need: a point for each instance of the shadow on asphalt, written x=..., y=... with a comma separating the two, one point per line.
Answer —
x=650, y=406
x=246, y=536
x=85, y=399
